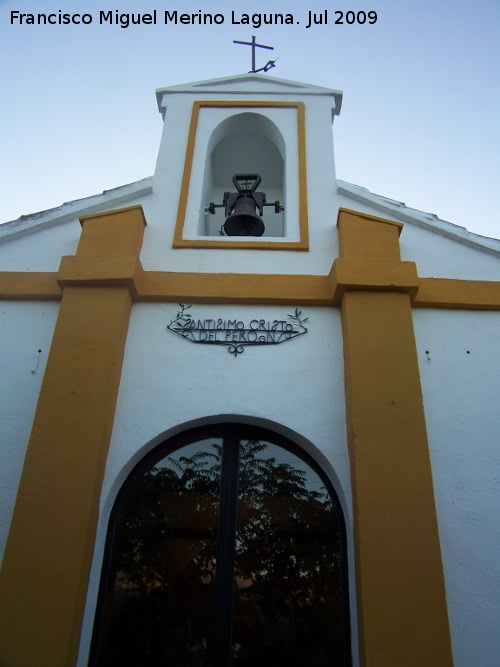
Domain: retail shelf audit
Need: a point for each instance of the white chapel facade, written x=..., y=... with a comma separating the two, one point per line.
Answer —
x=251, y=410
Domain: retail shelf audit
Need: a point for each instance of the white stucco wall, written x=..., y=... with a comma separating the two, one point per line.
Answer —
x=440, y=257
x=459, y=356
x=296, y=387
x=168, y=381
x=41, y=251
x=25, y=327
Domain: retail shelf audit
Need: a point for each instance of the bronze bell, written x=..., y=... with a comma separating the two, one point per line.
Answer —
x=244, y=221
x=241, y=206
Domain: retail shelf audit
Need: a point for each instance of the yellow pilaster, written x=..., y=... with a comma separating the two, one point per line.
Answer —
x=403, y=619
x=47, y=560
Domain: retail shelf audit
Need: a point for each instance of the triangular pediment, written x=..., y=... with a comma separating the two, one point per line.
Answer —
x=251, y=83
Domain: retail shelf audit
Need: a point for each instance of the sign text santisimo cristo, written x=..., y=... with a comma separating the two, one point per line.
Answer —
x=236, y=334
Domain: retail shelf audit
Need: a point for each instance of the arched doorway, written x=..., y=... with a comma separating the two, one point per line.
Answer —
x=226, y=546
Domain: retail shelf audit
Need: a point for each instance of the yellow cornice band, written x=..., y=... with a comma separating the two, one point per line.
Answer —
x=157, y=286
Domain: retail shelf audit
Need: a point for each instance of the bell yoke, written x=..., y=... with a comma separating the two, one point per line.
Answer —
x=241, y=206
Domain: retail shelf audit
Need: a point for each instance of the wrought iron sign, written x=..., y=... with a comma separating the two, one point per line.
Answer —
x=236, y=334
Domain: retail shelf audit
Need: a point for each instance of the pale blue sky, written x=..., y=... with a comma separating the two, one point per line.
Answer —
x=419, y=122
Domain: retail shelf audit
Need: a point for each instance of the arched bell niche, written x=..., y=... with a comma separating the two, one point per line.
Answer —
x=244, y=143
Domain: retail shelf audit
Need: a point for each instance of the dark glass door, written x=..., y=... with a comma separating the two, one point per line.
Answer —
x=226, y=547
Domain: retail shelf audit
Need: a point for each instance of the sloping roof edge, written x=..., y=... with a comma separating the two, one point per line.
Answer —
x=29, y=224
x=427, y=221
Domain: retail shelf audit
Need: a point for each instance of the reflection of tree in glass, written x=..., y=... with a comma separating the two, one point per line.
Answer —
x=288, y=593
x=287, y=568
x=165, y=562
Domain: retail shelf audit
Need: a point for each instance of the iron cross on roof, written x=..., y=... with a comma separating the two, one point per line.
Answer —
x=270, y=63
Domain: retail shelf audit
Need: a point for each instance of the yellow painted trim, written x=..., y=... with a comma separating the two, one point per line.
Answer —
x=303, y=243
x=116, y=232
x=402, y=609
x=44, y=578
x=149, y=286
x=366, y=216
x=29, y=286
x=463, y=294
x=349, y=274
x=365, y=237
x=101, y=271
x=236, y=288
x=121, y=212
